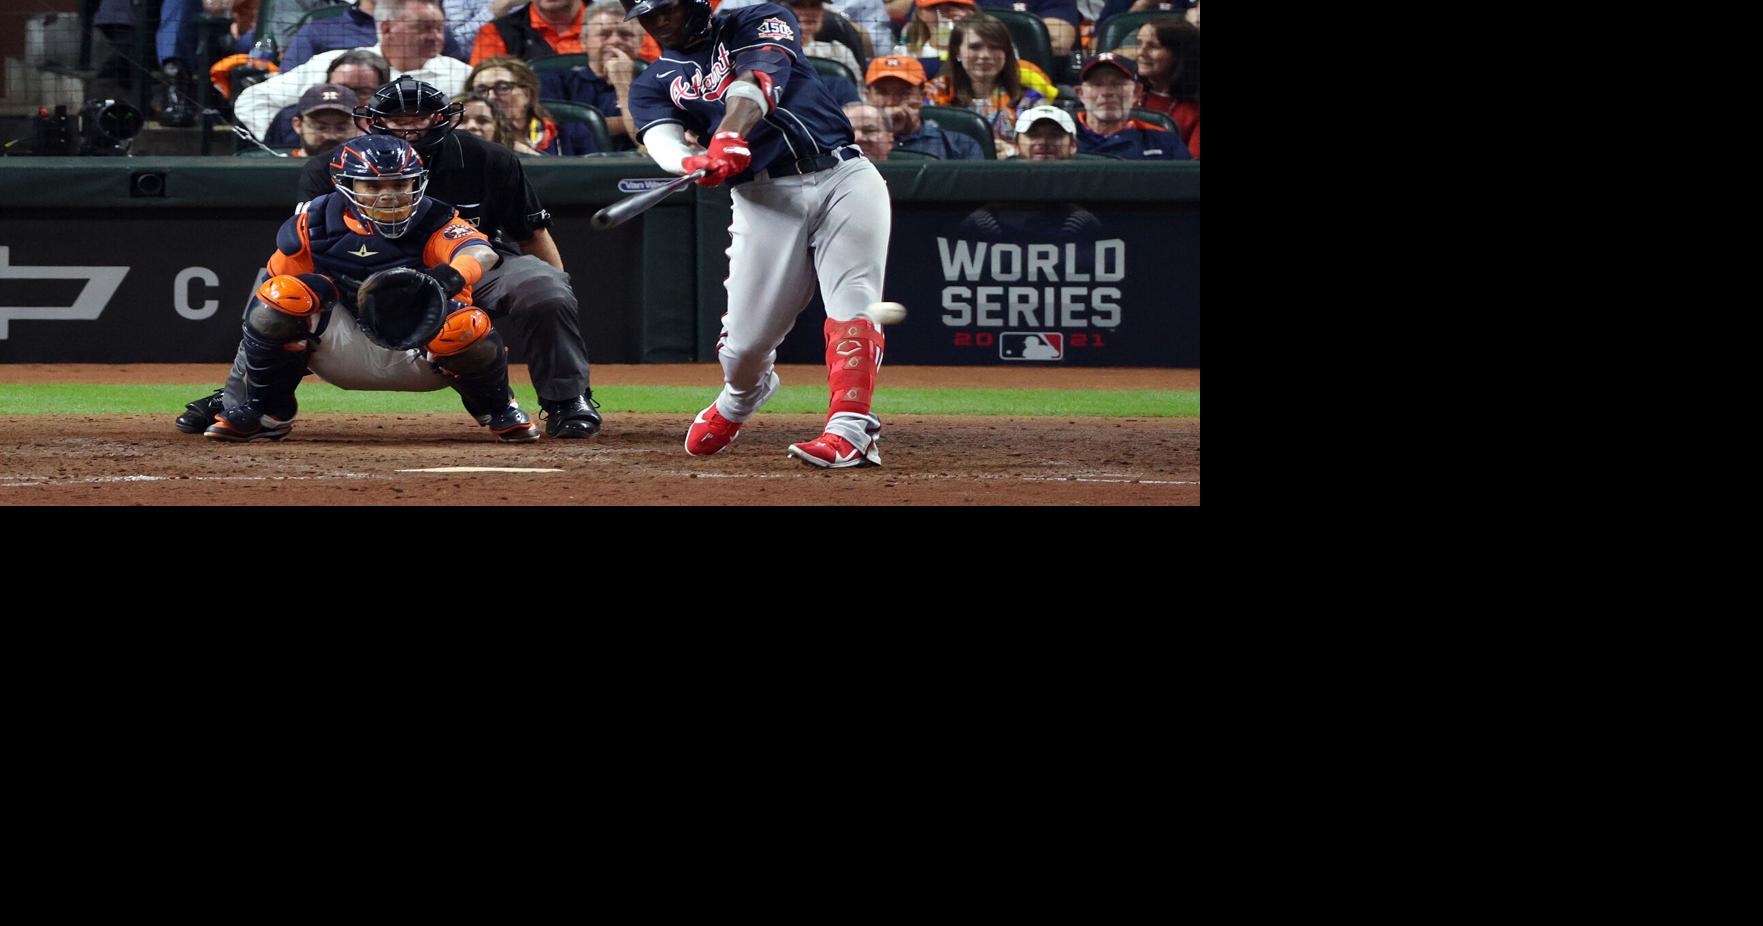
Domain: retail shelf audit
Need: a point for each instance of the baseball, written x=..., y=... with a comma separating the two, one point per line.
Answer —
x=886, y=313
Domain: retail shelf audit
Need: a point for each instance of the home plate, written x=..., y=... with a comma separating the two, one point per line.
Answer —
x=480, y=469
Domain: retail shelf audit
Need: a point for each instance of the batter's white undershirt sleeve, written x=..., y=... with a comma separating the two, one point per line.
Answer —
x=667, y=145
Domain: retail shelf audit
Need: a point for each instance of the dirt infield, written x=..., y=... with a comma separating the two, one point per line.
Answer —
x=637, y=459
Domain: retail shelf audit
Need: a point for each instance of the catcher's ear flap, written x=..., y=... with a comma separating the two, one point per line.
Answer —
x=401, y=309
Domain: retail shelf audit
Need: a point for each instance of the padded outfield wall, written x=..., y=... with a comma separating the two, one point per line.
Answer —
x=127, y=260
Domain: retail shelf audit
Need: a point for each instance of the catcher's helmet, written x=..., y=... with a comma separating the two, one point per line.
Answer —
x=697, y=17
x=408, y=96
x=360, y=168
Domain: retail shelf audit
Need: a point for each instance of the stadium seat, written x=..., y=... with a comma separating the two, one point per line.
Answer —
x=1029, y=35
x=323, y=12
x=827, y=67
x=834, y=27
x=1160, y=120
x=965, y=121
x=1123, y=28
x=566, y=111
x=558, y=63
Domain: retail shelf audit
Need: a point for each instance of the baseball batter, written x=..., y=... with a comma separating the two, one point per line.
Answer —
x=808, y=207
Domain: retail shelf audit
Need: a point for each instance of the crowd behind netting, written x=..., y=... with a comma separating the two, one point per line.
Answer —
x=919, y=79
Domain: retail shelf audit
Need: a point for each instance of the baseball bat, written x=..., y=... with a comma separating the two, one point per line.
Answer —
x=638, y=203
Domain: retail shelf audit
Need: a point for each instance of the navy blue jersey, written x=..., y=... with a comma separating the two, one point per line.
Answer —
x=1139, y=141
x=686, y=89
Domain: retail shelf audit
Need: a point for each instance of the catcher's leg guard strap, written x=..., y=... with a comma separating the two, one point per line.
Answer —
x=853, y=356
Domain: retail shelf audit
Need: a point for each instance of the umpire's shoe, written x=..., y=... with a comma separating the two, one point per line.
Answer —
x=578, y=418
x=511, y=425
x=198, y=415
x=246, y=423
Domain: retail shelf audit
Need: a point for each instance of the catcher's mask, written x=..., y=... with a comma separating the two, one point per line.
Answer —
x=695, y=31
x=408, y=100
x=383, y=178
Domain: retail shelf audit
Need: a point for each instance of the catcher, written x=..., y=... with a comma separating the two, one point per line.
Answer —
x=409, y=327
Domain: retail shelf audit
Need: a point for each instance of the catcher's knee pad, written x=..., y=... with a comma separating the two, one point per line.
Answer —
x=467, y=341
x=287, y=307
x=853, y=356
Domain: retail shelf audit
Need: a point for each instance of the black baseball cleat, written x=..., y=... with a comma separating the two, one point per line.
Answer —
x=577, y=418
x=512, y=426
x=246, y=423
x=198, y=415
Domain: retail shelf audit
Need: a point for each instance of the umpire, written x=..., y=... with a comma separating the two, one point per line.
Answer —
x=527, y=293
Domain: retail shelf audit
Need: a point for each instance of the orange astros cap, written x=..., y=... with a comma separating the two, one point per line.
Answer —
x=905, y=67
x=925, y=3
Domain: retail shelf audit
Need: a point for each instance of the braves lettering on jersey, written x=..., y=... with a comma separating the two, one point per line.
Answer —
x=687, y=88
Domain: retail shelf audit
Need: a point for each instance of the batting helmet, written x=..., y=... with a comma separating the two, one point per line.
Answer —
x=383, y=178
x=697, y=17
x=408, y=96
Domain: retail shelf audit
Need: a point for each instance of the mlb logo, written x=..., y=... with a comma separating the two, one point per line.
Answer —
x=1031, y=345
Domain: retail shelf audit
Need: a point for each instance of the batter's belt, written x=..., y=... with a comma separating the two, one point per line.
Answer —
x=805, y=165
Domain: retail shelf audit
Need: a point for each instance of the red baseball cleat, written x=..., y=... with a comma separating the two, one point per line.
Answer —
x=711, y=433
x=831, y=451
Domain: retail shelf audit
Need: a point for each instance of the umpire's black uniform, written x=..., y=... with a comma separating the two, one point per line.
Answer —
x=526, y=297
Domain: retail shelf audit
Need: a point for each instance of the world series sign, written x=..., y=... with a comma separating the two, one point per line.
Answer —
x=1046, y=283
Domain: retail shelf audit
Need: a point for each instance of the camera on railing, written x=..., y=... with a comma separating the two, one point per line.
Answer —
x=100, y=128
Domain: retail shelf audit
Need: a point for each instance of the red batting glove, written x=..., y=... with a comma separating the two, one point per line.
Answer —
x=730, y=147
x=717, y=169
x=728, y=155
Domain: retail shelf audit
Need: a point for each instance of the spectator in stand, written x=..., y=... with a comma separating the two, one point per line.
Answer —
x=466, y=17
x=535, y=30
x=483, y=119
x=1110, y=89
x=927, y=37
x=612, y=46
x=811, y=15
x=411, y=35
x=872, y=17
x=360, y=70
x=896, y=87
x=1169, y=64
x=325, y=119
x=356, y=28
x=243, y=34
x=243, y=29
x=1060, y=16
x=985, y=75
x=1045, y=133
x=870, y=128
x=513, y=86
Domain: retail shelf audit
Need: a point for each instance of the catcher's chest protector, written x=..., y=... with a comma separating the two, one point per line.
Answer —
x=339, y=250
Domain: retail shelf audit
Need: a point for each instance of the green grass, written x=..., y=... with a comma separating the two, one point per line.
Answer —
x=83, y=399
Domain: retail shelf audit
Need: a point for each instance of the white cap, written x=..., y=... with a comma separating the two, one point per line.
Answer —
x=1030, y=116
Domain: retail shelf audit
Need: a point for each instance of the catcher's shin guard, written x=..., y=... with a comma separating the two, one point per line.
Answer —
x=284, y=311
x=853, y=357
x=472, y=352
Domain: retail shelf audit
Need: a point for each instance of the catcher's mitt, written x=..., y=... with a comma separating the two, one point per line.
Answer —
x=401, y=308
